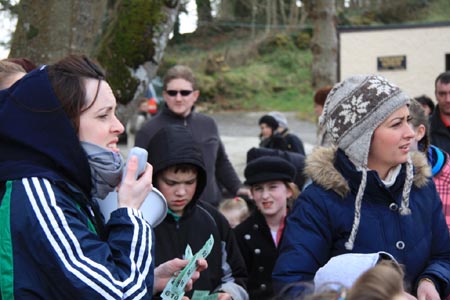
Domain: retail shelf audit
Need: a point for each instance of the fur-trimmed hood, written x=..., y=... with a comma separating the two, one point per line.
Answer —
x=320, y=167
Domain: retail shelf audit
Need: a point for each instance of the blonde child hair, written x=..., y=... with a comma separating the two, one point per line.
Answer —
x=235, y=210
x=384, y=281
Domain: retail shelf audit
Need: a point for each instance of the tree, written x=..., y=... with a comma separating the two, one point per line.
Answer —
x=128, y=37
x=324, y=43
x=204, y=15
x=50, y=29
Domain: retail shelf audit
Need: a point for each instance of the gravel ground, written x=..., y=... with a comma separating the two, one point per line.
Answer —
x=239, y=132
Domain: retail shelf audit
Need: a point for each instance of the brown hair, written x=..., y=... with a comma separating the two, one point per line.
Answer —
x=442, y=78
x=7, y=71
x=142, y=100
x=295, y=193
x=67, y=79
x=383, y=281
x=418, y=117
x=183, y=168
x=179, y=72
x=10, y=67
x=321, y=95
x=25, y=63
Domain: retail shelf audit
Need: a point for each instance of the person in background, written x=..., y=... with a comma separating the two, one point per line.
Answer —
x=384, y=281
x=180, y=93
x=293, y=142
x=437, y=158
x=270, y=180
x=179, y=173
x=296, y=159
x=58, y=155
x=235, y=210
x=368, y=194
x=269, y=136
x=427, y=104
x=137, y=120
x=319, y=100
x=350, y=272
x=9, y=74
x=440, y=119
x=355, y=276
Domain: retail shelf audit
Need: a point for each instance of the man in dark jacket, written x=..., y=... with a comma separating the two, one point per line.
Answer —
x=180, y=94
x=440, y=119
x=179, y=173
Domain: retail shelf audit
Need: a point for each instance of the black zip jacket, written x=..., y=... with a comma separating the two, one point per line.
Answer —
x=173, y=145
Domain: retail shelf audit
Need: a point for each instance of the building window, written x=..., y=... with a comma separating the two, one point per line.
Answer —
x=447, y=62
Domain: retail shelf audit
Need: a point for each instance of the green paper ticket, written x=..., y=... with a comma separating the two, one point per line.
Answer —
x=174, y=289
x=204, y=295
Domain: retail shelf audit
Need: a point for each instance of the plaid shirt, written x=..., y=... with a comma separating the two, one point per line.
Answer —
x=442, y=181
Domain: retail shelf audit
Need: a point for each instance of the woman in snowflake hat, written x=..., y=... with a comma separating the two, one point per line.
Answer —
x=368, y=194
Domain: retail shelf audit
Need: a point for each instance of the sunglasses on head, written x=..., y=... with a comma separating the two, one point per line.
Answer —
x=173, y=93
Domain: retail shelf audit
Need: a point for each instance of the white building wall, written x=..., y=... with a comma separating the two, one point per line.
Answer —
x=424, y=47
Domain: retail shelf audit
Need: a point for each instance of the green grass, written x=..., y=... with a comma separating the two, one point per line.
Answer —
x=438, y=11
x=279, y=79
x=263, y=73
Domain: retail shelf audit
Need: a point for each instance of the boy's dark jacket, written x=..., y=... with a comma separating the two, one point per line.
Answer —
x=173, y=145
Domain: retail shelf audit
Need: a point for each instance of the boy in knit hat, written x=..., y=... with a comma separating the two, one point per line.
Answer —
x=369, y=193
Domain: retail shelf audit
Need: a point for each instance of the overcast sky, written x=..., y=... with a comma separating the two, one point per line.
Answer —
x=7, y=26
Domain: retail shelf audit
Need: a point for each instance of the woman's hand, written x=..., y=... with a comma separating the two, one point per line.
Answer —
x=165, y=271
x=427, y=291
x=132, y=192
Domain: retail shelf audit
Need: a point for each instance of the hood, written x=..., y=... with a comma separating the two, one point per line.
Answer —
x=174, y=145
x=36, y=137
x=320, y=167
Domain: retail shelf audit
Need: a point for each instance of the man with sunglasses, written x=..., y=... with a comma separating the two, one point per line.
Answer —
x=180, y=94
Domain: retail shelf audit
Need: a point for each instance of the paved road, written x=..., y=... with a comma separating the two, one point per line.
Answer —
x=239, y=132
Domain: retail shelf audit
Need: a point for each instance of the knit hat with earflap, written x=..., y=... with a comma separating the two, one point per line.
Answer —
x=280, y=117
x=353, y=110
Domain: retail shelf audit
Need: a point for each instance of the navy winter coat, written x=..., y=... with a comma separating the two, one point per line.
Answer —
x=321, y=221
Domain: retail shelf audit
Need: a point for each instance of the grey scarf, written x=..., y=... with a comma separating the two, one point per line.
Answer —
x=106, y=169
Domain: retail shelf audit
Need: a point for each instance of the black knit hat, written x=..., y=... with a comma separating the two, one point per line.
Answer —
x=270, y=121
x=269, y=168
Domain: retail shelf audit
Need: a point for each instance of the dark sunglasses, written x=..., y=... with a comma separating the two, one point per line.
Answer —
x=173, y=93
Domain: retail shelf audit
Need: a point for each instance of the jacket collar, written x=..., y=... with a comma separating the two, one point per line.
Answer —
x=166, y=111
x=325, y=164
